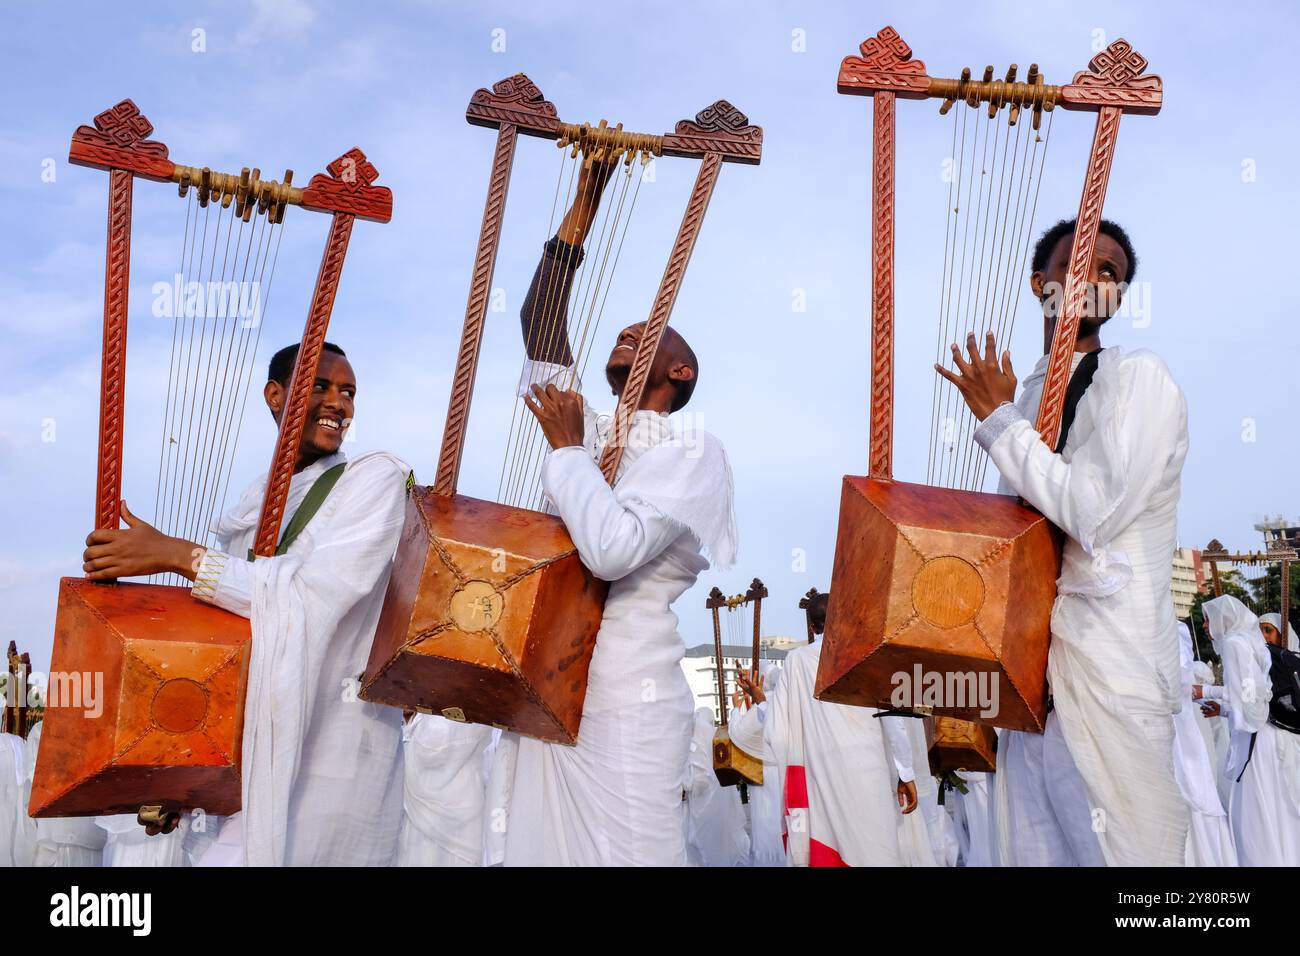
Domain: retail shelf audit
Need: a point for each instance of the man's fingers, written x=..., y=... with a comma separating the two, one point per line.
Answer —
x=130, y=519
x=952, y=377
x=990, y=349
x=962, y=365
x=972, y=349
x=1006, y=365
x=102, y=536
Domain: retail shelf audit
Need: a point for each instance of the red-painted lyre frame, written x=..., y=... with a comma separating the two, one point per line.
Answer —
x=118, y=142
x=719, y=133
x=1112, y=85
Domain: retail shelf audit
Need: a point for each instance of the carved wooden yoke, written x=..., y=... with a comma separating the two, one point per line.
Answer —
x=119, y=143
x=719, y=133
x=1112, y=85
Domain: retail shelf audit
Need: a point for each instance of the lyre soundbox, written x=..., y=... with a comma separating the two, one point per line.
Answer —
x=944, y=595
x=932, y=584
x=733, y=765
x=490, y=615
x=147, y=683
x=498, y=634
x=957, y=746
x=146, y=702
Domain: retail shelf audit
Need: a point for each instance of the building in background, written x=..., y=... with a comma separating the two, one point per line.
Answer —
x=1188, y=580
x=701, y=667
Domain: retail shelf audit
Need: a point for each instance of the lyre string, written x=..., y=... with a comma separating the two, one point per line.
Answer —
x=545, y=335
x=991, y=289
x=249, y=364
x=202, y=446
x=945, y=277
x=586, y=317
x=516, y=406
x=1007, y=318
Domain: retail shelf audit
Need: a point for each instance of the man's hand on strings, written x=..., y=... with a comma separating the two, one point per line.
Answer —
x=907, y=796
x=586, y=200
x=984, y=382
x=752, y=686
x=1211, y=708
x=139, y=548
x=559, y=413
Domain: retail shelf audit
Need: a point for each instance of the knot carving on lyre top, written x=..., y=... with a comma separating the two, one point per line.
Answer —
x=521, y=90
x=353, y=169
x=1117, y=65
x=720, y=117
x=889, y=51
x=124, y=124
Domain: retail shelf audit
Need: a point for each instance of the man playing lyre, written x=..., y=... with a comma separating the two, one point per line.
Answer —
x=1098, y=786
x=322, y=769
x=616, y=797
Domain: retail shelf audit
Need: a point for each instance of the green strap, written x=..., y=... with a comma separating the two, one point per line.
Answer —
x=316, y=496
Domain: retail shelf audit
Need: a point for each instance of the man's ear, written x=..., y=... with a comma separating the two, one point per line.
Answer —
x=1036, y=282
x=681, y=372
x=274, y=395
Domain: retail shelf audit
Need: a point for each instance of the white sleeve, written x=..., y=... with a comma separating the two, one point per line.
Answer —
x=1248, y=688
x=226, y=581
x=613, y=538
x=1110, y=478
x=900, y=747
x=547, y=373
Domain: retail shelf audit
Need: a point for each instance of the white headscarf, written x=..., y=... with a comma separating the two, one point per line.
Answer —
x=1292, y=642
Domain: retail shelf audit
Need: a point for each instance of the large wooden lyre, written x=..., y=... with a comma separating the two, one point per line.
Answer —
x=173, y=668
x=490, y=616
x=732, y=764
x=1281, y=551
x=947, y=581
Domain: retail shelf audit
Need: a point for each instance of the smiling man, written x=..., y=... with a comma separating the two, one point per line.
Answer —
x=321, y=769
x=616, y=797
x=1098, y=786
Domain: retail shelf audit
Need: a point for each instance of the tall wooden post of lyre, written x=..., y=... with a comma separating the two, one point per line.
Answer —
x=17, y=687
x=1280, y=552
x=165, y=731
x=490, y=615
x=957, y=582
x=732, y=765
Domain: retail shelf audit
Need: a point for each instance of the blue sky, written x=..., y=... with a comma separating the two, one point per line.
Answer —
x=1207, y=190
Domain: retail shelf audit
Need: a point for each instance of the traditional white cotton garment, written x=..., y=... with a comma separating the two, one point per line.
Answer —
x=839, y=768
x=445, y=790
x=925, y=836
x=322, y=769
x=1113, y=663
x=615, y=798
x=127, y=844
x=1209, y=838
x=1215, y=731
x=766, y=803
x=1265, y=804
x=715, y=827
x=61, y=841
x=972, y=817
x=17, y=829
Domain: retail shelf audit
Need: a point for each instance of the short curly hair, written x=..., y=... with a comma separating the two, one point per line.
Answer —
x=1048, y=240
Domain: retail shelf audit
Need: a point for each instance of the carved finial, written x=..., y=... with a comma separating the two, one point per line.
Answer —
x=885, y=50
x=124, y=124
x=354, y=169
x=1118, y=64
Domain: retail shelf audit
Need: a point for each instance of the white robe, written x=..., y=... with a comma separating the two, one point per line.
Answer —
x=1265, y=801
x=62, y=841
x=839, y=767
x=445, y=790
x=1113, y=663
x=1209, y=838
x=17, y=829
x=1214, y=730
x=766, y=803
x=322, y=780
x=972, y=817
x=715, y=829
x=615, y=798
